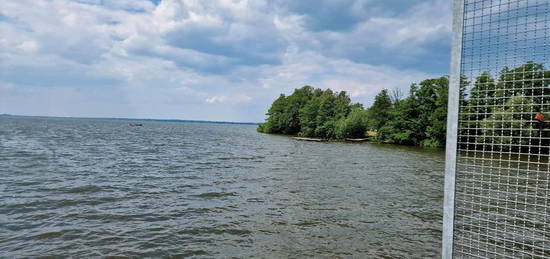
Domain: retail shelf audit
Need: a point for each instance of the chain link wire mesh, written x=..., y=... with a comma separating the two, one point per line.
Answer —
x=502, y=173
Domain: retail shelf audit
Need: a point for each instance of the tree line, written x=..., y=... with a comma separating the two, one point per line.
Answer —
x=495, y=111
x=498, y=113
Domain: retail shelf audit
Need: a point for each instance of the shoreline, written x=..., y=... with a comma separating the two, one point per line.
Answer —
x=353, y=140
x=347, y=140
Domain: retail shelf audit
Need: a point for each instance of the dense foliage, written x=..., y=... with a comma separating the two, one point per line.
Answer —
x=499, y=112
x=420, y=118
x=313, y=112
x=496, y=111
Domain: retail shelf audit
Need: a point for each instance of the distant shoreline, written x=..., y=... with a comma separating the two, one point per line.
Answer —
x=129, y=119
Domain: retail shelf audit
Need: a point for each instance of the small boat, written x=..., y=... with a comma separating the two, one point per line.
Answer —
x=135, y=124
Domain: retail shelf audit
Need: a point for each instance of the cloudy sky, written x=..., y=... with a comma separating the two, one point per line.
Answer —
x=210, y=59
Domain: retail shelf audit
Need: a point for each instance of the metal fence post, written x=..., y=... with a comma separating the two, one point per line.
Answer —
x=452, y=130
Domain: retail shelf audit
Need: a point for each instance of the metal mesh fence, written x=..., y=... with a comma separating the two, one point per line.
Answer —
x=501, y=206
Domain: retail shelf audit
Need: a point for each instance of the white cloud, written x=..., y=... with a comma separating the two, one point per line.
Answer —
x=172, y=59
x=232, y=98
x=362, y=81
x=29, y=46
x=215, y=99
x=425, y=22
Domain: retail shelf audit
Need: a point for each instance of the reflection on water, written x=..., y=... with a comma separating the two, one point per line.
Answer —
x=102, y=188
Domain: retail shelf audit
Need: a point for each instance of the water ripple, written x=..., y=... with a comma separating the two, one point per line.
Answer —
x=98, y=188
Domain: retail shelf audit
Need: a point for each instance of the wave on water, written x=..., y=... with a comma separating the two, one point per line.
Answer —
x=100, y=188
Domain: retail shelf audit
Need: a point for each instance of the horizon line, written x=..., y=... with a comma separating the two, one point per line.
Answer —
x=132, y=119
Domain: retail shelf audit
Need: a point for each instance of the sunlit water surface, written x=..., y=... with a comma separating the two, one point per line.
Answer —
x=94, y=188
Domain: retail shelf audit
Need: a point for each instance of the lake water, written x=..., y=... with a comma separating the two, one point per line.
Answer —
x=95, y=188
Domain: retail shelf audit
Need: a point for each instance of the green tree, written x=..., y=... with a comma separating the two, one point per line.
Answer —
x=308, y=117
x=494, y=109
x=403, y=126
x=294, y=103
x=433, y=111
x=379, y=112
x=352, y=126
x=275, y=120
x=419, y=119
x=509, y=127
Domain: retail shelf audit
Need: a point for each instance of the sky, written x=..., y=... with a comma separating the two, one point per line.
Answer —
x=223, y=60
